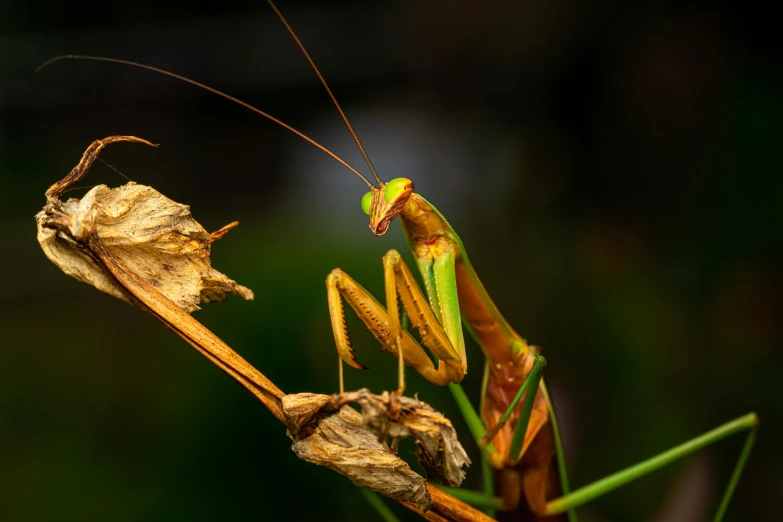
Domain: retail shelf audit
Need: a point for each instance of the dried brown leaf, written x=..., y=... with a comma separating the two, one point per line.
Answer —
x=150, y=234
x=397, y=416
x=342, y=442
x=82, y=253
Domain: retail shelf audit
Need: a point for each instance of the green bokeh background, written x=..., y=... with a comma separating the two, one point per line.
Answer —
x=613, y=170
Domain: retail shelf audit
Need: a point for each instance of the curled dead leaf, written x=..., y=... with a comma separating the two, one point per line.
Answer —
x=339, y=440
x=153, y=236
x=392, y=415
x=328, y=432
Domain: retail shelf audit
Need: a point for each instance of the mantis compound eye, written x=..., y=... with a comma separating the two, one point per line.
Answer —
x=366, y=201
x=398, y=189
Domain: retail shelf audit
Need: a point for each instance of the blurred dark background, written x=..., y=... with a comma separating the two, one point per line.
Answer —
x=613, y=168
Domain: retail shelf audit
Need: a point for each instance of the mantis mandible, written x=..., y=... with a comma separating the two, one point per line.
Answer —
x=516, y=427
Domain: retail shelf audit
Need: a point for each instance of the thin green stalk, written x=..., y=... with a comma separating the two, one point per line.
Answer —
x=488, y=474
x=472, y=419
x=380, y=506
x=474, y=498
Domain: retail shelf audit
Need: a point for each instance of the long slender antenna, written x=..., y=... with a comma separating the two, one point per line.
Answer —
x=214, y=91
x=328, y=90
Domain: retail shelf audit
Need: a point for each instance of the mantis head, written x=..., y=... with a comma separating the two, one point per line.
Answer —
x=385, y=202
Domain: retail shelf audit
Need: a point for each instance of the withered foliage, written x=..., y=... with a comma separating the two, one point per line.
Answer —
x=327, y=432
x=78, y=236
x=396, y=416
x=153, y=236
x=340, y=440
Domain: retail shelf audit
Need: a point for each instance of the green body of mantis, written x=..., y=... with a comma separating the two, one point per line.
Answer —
x=519, y=441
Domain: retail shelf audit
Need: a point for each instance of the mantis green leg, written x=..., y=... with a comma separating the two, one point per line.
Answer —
x=620, y=478
x=559, y=455
x=530, y=385
x=531, y=380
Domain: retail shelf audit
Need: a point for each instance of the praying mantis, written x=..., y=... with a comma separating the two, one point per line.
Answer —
x=516, y=425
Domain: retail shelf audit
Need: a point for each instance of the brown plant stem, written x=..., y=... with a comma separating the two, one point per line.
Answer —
x=192, y=331
x=445, y=507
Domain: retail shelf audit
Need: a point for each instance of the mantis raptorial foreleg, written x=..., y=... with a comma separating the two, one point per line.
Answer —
x=386, y=327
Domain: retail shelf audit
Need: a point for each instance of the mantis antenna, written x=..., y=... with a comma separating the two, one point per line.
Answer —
x=328, y=90
x=214, y=91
